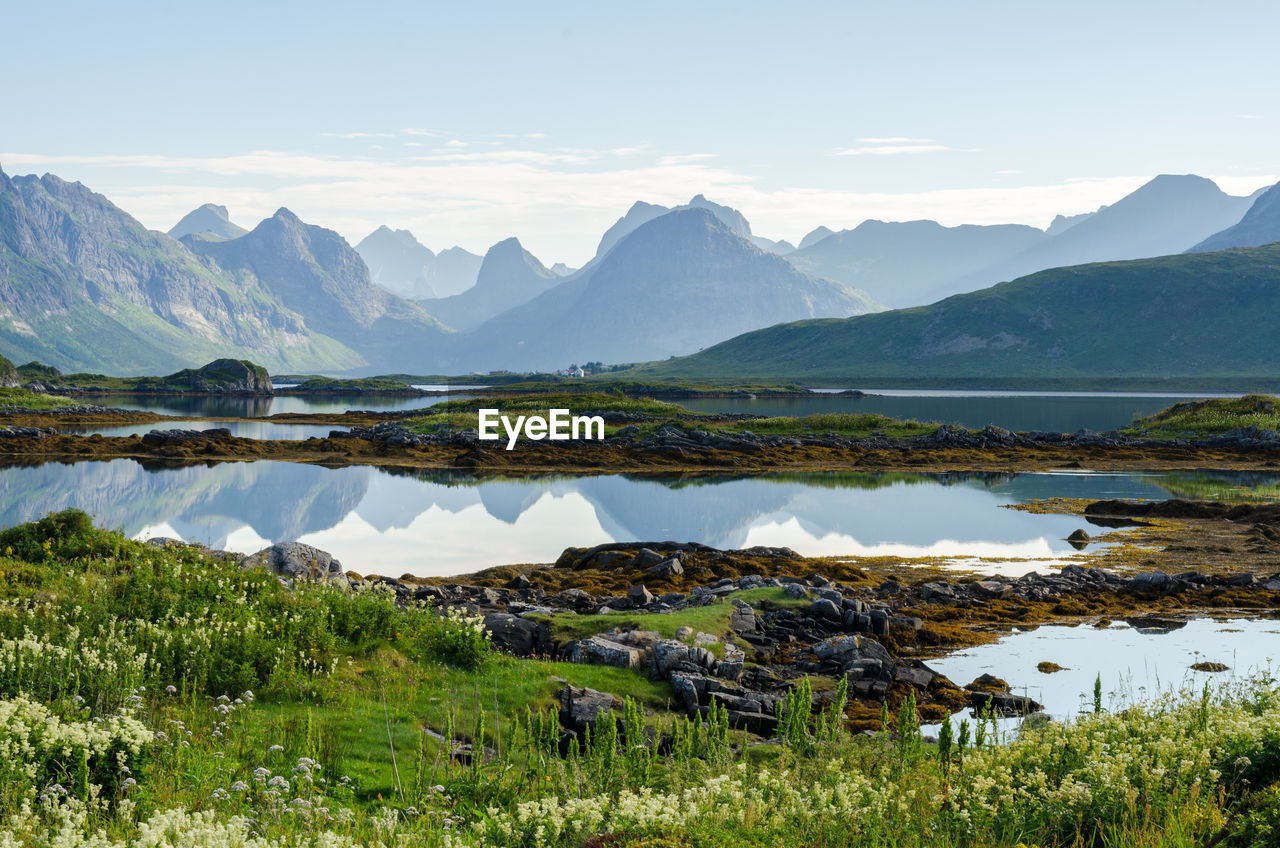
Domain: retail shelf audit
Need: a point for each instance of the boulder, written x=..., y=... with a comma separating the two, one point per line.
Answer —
x=580, y=708
x=601, y=651
x=647, y=558
x=521, y=637
x=294, y=560
x=825, y=608
x=640, y=596
x=667, y=568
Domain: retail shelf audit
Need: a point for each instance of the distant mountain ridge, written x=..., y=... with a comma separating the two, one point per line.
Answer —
x=1259, y=226
x=642, y=213
x=912, y=262
x=402, y=265
x=509, y=276
x=675, y=284
x=315, y=273
x=1190, y=315
x=209, y=218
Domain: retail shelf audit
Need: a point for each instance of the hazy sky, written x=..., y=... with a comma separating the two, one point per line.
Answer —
x=547, y=120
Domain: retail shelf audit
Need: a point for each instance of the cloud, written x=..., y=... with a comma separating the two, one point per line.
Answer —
x=357, y=135
x=889, y=149
x=897, y=139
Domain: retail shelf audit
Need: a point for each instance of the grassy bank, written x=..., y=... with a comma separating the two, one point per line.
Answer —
x=163, y=697
x=1205, y=418
x=23, y=399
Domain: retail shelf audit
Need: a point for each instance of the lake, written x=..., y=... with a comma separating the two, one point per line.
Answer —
x=435, y=523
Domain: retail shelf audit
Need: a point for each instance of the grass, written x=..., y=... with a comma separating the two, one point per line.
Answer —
x=1206, y=418
x=167, y=693
x=24, y=399
x=712, y=619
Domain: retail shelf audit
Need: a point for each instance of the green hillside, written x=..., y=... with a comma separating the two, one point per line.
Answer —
x=1208, y=315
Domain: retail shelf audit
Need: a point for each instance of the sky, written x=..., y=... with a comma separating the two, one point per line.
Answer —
x=548, y=120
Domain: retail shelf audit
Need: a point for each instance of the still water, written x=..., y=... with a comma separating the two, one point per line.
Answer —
x=1134, y=663
x=440, y=523
x=241, y=429
x=254, y=407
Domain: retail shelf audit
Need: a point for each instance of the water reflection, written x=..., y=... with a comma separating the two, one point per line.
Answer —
x=230, y=406
x=1134, y=664
x=266, y=430
x=437, y=522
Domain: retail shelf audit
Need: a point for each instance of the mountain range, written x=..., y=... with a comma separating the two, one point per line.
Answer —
x=674, y=284
x=509, y=276
x=1198, y=315
x=404, y=266
x=84, y=286
x=919, y=262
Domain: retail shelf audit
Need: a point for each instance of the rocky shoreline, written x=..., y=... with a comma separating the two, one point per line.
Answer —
x=875, y=634
x=34, y=433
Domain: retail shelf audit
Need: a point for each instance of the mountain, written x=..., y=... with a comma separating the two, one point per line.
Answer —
x=911, y=262
x=677, y=283
x=1260, y=225
x=642, y=213
x=1191, y=315
x=815, y=235
x=637, y=216
x=456, y=271
x=313, y=272
x=782, y=247
x=84, y=286
x=1166, y=215
x=509, y=276
x=402, y=265
x=1061, y=223
x=398, y=262
x=208, y=219
x=562, y=270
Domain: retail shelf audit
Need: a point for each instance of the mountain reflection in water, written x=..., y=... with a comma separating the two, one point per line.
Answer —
x=437, y=523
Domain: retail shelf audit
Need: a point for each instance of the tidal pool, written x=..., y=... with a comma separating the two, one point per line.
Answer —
x=1136, y=662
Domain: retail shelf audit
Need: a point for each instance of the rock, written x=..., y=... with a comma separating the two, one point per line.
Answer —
x=667, y=568
x=847, y=649
x=521, y=637
x=990, y=588
x=295, y=560
x=743, y=620
x=824, y=608
x=1002, y=703
x=520, y=581
x=796, y=590
x=1151, y=581
x=1205, y=665
x=582, y=708
x=598, y=650
x=684, y=632
x=647, y=558
x=640, y=596
x=914, y=672
x=702, y=640
x=165, y=437
x=988, y=683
